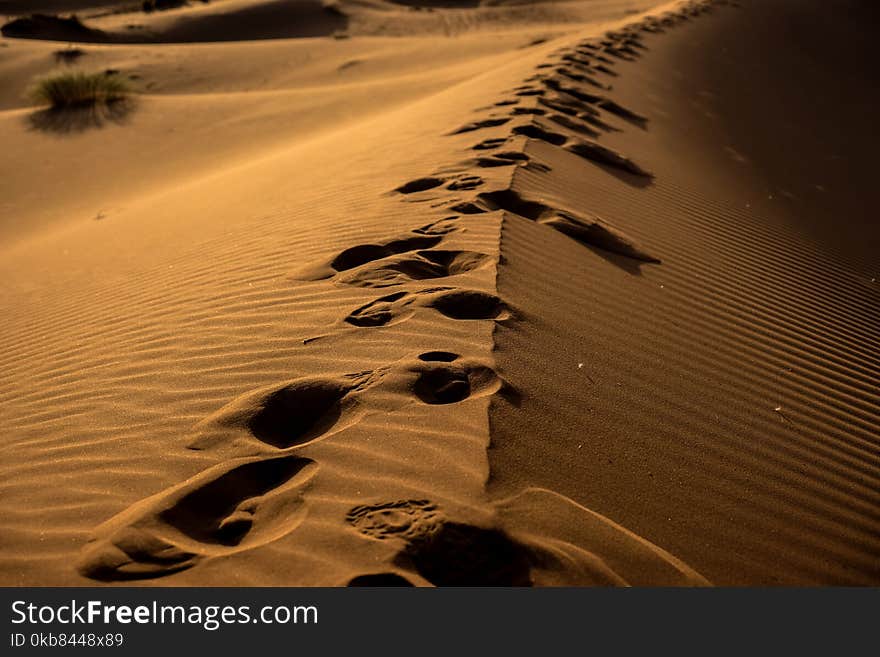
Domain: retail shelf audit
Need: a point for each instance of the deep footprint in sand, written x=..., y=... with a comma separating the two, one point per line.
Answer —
x=380, y=580
x=405, y=519
x=479, y=125
x=489, y=144
x=229, y=508
x=445, y=378
x=419, y=185
x=453, y=303
x=425, y=237
x=421, y=265
x=436, y=377
x=443, y=552
x=281, y=417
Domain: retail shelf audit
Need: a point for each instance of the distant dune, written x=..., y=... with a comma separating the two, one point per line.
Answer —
x=496, y=294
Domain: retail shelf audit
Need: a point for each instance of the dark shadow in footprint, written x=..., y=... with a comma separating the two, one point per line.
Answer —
x=289, y=416
x=469, y=304
x=421, y=265
x=488, y=144
x=512, y=201
x=530, y=92
x=443, y=386
x=364, y=253
x=213, y=513
x=467, y=207
x=464, y=555
x=465, y=183
x=573, y=124
x=419, y=185
x=442, y=227
x=537, y=132
x=445, y=553
x=439, y=356
x=425, y=237
x=479, y=125
x=379, y=312
x=380, y=580
x=297, y=413
x=518, y=111
x=489, y=162
x=455, y=304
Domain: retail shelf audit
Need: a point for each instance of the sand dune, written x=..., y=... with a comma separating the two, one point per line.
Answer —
x=573, y=305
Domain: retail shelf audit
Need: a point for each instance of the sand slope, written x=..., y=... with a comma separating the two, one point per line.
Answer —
x=567, y=340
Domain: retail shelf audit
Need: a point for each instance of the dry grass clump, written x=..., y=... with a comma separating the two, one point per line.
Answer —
x=78, y=89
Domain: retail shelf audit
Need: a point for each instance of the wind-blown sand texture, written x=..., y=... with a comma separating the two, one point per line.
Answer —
x=498, y=293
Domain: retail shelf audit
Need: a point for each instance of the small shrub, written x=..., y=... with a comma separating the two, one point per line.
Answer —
x=79, y=89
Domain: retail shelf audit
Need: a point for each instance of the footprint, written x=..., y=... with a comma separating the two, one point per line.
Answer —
x=405, y=519
x=416, y=266
x=537, y=132
x=439, y=356
x=380, y=580
x=425, y=237
x=512, y=201
x=573, y=124
x=479, y=125
x=288, y=416
x=456, y=304
x=441, y=382
x=229, y=508
x=419, y=185
x=443, y=385
x=384, y=311
x=444, y=553
x=442, y=227
x=530, y=91
x=488, y=162
x=528, y=111
x=565, y=107
x=581, y=77
x=460, y=554
x=364, y=253
x=488, y=144
x=516, y=156
x=559, y=86
x=467, y=207
x=469, y=304
x=465, y=183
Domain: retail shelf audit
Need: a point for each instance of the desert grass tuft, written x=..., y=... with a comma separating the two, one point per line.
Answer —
x=78, y=89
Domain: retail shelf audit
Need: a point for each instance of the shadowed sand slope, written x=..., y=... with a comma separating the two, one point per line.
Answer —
x=586, y=333
x=725, y=403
